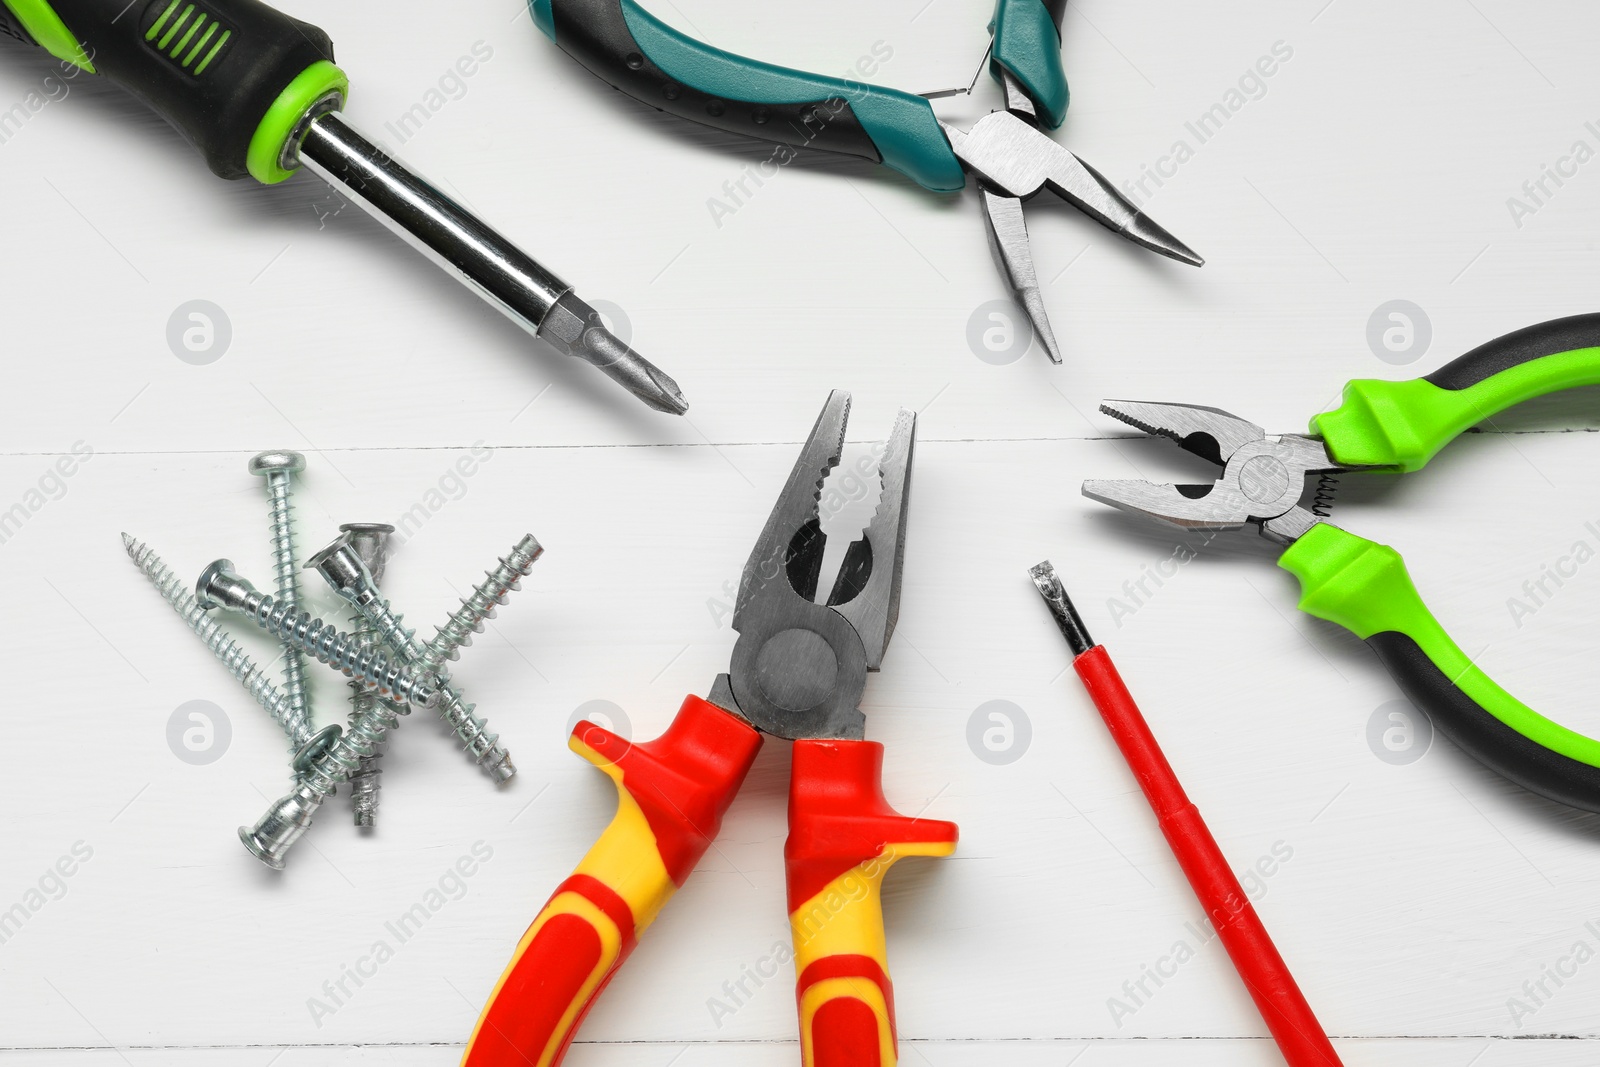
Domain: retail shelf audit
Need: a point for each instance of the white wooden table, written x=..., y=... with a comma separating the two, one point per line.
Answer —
x=1413, y=899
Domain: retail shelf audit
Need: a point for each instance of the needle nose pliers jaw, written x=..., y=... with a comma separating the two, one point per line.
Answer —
x=1007, y=151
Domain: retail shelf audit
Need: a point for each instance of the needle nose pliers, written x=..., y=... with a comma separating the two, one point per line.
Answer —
x=1359, y=584
x=1007, y=151
x=798, y=671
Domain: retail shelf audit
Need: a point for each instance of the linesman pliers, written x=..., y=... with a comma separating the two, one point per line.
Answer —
x=798, y=671
x=1007, y=151
x=1359, y=584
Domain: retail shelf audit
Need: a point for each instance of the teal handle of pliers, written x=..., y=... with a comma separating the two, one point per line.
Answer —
x=1402, y=425
x=1027, y=45
x=1365, y=587
x=644, y=57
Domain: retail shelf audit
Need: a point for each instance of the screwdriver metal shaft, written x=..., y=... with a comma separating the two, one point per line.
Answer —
x=478, y=256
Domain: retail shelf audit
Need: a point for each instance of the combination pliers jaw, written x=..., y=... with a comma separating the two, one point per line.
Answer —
x=1360, y=584
x=1263, y=480
x=797, y=671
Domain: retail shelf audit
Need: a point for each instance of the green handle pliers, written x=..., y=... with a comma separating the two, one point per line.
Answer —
x=1359, y=584
x=1007, y=150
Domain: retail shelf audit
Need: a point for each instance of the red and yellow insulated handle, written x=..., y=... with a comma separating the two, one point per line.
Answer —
x=672, y=793
x=843, y=837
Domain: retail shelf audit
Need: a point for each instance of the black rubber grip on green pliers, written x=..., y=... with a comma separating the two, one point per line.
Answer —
x=212, y=68
x=1516, y=348
x=1481, y=735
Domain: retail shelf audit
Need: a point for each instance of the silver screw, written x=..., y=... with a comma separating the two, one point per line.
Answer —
x=468, y=619
x=371, y=542
x=279, y=469
x=349, y=577
x=221, y=586
x=253, y=678
x=321, y=771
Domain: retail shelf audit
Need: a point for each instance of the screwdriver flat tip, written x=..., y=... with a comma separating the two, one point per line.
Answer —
x=1062, y=610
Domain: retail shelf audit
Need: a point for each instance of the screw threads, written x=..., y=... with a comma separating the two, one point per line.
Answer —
x=472, y=731
x=228, y=651
x=490, y=593
x=375, y=666
x=365, y=780
x=365, y=735
x=287, y=578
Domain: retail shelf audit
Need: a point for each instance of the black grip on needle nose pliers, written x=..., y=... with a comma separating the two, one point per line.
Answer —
x=596, y=34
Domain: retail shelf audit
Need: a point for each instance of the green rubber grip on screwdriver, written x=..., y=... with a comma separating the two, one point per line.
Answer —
x=1402, y=425
x=640, y=55
x=235, y=77
x=1027, y=45
x=1365, y=587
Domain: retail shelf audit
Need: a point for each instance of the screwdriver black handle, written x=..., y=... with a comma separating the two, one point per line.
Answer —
x=235, y=77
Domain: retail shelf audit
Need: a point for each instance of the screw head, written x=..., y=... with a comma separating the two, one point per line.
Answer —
x=284, y=823
x=342, y=567
x=268, y=462
x=313, y=749
x=221, y=586
x=371, y=542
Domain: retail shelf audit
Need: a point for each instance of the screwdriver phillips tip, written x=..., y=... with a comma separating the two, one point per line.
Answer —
x=576, y=329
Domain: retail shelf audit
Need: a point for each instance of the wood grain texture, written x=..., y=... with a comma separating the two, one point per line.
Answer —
x=1412, y=901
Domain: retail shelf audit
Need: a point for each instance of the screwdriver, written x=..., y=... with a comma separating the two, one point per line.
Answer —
x=258, y=94
x=1277, y=997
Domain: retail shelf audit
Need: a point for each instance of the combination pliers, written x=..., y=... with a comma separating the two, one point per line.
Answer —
x=1359, y=584
x=798, y=671
x=1007, y=151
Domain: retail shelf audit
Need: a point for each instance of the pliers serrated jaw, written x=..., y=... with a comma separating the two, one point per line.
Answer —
x=1263, y=478
x=799, y=666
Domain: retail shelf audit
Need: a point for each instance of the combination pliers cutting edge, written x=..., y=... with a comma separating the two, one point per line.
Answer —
x=1007, y=151
x=798, y=671
x=1359, y=584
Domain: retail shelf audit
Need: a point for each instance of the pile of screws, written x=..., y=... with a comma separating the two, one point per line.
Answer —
x=390, y=668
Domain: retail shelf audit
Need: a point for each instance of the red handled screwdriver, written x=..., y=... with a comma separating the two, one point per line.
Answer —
x=1293, y=1024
